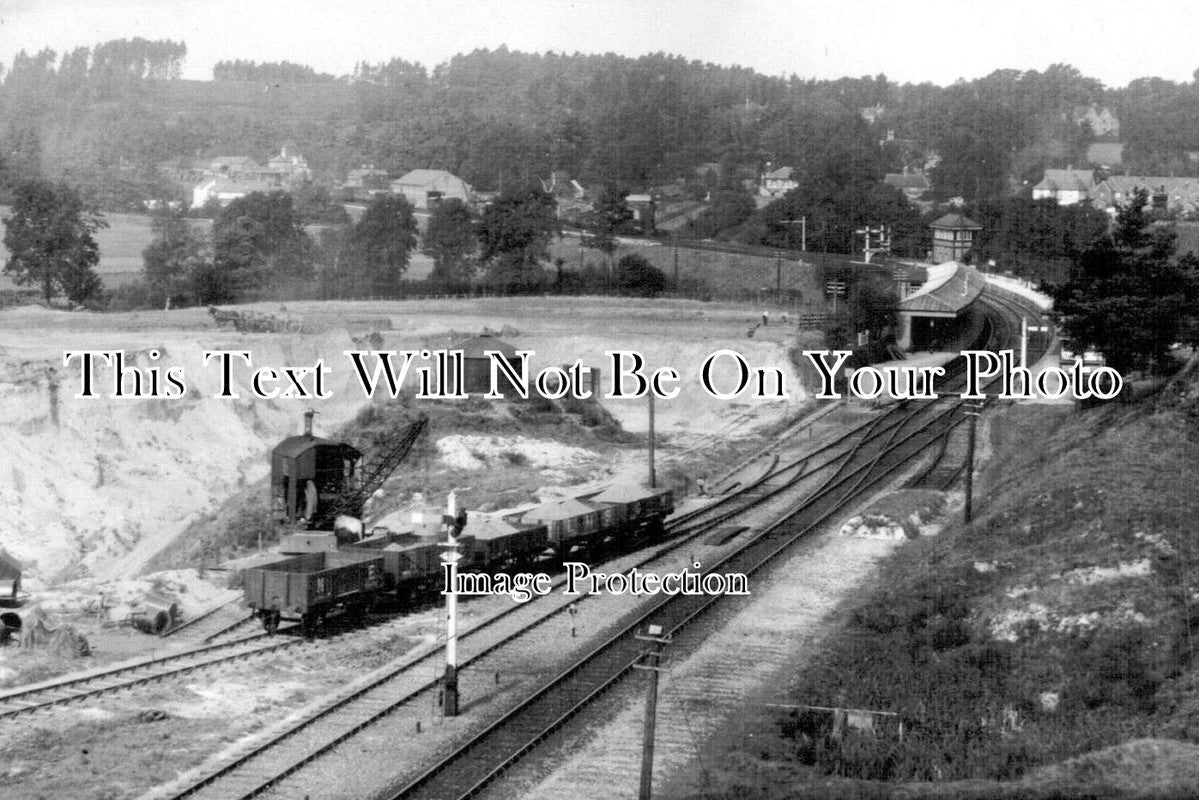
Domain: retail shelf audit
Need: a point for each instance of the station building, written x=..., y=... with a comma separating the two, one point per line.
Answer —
x=936, y=315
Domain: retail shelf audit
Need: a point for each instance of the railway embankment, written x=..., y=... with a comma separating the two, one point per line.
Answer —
x=1045, y=650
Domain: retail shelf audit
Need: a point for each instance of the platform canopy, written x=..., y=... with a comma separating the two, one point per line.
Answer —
x=951, y=287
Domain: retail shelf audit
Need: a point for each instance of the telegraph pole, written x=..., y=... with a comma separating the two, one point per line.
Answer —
x=651, y=663
x=1024, y=342
x=653, y=478
x=973, y=408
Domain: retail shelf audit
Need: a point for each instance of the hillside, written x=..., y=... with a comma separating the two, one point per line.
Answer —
x=1049, y=646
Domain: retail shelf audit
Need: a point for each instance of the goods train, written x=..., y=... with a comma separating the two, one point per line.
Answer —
x=320, y=571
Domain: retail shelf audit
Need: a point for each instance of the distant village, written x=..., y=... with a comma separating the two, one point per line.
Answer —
x=214, y=182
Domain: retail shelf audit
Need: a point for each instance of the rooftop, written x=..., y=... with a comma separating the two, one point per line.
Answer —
x=1057, y=180
x=423, y=177
x=956, y=222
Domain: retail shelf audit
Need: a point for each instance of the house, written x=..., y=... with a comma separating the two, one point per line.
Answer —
x=288, y=170
x=953, y=237
x=234, y=167
x=1066, y=186
x=777, y=182
x=225, y=190
x=563, y=187
x=425, y=188
x=1171, y=194
x=225, y=178
x=1102, y=120
x=912, y=183
x=644, y=210
x=366, y=182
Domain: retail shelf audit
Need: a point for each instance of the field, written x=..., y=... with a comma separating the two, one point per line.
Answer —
x=705, y=273
x=700, y=273
x=127, y=235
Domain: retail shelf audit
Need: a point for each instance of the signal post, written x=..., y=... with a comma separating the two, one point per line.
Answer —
x=454, y=521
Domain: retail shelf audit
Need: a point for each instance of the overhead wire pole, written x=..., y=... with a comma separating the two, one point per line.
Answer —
x=973, y=410
x=651, y=664
x=653, y=478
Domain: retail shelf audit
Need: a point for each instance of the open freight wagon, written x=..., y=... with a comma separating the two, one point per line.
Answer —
x=306, y=587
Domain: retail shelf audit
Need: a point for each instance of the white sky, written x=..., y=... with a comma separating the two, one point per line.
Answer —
x=919, y=40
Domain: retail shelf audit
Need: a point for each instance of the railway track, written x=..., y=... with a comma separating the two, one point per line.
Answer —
x=76, y=687
x=248, y=774
x=884, y=441
x=206, y=616
x=299, y=741
x=485, y=757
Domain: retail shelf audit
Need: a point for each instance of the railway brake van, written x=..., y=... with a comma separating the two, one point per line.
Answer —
x=306, y=587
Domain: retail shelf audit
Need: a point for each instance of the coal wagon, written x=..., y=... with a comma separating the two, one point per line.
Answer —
x=307, y=587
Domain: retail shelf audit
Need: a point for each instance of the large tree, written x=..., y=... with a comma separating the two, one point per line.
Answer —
x=379, y=247
x=1128, y=295
x=50, y=237
x=610, y=213
x=514, y=237
x=258, y=245
x=450, y=242
x=175, y=253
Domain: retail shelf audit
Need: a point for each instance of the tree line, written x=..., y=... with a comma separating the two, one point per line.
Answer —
x=499, y=117
x=268, y=72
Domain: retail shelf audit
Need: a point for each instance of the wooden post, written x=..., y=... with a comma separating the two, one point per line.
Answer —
x=653, y=478
x=651, y=664
x=973, y=410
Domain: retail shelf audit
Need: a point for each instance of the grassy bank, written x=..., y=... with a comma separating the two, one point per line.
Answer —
x=1063, y=621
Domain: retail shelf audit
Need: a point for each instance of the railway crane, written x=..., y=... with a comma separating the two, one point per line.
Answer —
x=315, y=480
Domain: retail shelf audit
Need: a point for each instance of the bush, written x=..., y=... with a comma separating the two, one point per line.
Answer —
x=636, y=276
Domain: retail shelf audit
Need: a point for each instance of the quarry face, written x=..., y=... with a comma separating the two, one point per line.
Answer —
x=94, y=487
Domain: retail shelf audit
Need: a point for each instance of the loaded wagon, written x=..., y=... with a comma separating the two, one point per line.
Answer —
x=306, y=587
x=571, y=524
x=636, y=510
x=411, y=563
x=493, y=544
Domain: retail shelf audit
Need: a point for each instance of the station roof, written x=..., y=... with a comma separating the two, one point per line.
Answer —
x=950, y=288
